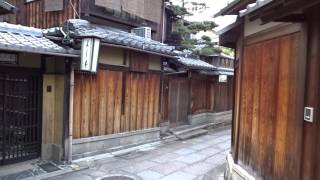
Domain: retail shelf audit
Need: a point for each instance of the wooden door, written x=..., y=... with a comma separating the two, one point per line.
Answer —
x=178, y=101
x=271, y=107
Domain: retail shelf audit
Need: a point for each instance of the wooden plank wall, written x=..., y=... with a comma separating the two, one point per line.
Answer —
x=311, y=136
x=208, y=95
x=178, y=97
x=201, y=93
x=37, y=17
x=114, y=102
x=271, y=115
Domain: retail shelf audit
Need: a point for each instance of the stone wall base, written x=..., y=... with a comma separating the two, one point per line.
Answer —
x=235, y=172
x=213, y=118
x=105, y=144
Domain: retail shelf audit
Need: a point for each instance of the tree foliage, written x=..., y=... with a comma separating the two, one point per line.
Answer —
x=185, y=29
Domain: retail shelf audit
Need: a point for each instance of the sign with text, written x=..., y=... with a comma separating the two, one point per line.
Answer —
x=90, y=54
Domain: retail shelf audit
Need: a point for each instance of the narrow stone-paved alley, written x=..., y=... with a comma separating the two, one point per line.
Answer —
x=198, y=158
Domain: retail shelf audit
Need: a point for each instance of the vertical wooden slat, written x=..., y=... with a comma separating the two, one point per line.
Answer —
x=85, y=107
x=77, y=106
x=127, y=102
x=94, y=117
x=140, y=101
x=110, y=100
x=118, y=101
x=151, y=101
x=156, y=96
x=102, y=101
x=282, y=113
x=134, y=91
x=145, y=102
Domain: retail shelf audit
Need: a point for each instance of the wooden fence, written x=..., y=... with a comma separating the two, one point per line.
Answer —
x=114, y=102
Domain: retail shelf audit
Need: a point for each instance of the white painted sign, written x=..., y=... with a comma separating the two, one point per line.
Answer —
x=90, y=54
x=223, y=78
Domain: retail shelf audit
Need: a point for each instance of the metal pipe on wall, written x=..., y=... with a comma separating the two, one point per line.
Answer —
x=71, y=113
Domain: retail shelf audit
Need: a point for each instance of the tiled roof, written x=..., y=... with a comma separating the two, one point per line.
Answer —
x=195, y=63
x=81, y=28
x=6, y=7
x=27, y=39
x=229, y=72
x=254, y=6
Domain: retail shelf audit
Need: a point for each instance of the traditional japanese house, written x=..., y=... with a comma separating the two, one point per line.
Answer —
x=124, y=14
x=275, y=131
x=50, y=108
x=119, y=105
x=195, y=95
x=33, y=86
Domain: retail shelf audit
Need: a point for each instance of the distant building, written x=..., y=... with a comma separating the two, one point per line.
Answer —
x=124, y=15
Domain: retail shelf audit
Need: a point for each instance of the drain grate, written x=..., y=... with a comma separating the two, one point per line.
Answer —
x=117, y=177
x=49, y=167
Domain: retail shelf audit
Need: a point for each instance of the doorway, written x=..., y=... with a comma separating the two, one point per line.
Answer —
x=20, y=114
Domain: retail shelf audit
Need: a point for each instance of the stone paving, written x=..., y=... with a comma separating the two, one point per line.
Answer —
x=194, y=159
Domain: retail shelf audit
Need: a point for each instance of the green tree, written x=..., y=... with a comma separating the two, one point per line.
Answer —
x=185, y=29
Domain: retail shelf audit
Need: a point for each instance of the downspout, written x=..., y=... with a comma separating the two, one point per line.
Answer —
x=71, y=113
x=163, y=21
x=161, y=91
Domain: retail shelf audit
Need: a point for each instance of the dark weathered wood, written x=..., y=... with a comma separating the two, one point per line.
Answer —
x=311, y=167
x=270, y=132
x=36, y=16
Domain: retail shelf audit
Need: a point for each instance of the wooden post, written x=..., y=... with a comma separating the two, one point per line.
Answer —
x=310, y=155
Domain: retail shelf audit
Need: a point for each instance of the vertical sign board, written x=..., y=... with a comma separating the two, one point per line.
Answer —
x=90, y=54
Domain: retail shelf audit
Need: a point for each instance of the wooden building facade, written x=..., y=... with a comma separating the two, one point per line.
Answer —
x=277, y=83
x=123, y=15
x=193, y=94
x=49, y=108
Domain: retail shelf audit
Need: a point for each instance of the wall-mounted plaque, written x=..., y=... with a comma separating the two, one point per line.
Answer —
x=53, y=5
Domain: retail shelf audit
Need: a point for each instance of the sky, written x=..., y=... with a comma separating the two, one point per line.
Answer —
x=214, y=7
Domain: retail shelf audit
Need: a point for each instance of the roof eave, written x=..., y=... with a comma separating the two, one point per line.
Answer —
x=229, y=35
x=139, y=50
x=74, y=54
x=233, y=8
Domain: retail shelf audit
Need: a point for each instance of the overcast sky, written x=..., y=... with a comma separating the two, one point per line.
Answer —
x=214, y=7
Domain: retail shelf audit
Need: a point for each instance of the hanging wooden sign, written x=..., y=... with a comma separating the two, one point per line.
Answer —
x=90, y=54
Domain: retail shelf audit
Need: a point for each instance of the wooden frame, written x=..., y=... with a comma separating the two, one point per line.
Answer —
x=277, y=31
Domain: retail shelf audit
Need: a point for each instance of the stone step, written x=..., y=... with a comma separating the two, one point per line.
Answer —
x=187, y=128
x=192, y=134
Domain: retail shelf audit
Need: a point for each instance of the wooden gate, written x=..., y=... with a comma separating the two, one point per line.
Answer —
x=178, y=101
x=20, y=115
